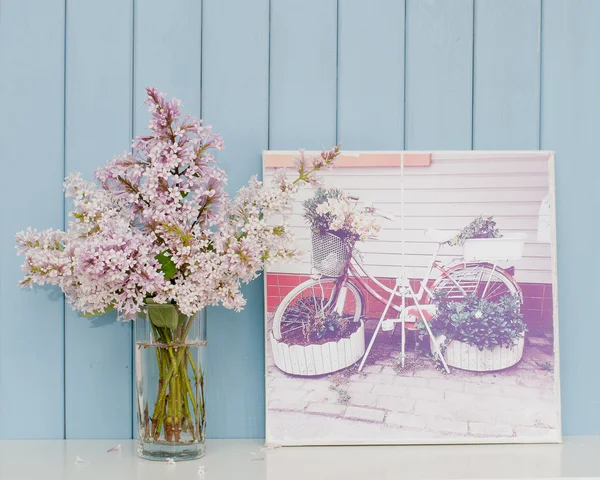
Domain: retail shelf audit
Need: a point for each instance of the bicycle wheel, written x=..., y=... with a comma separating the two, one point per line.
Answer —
x=315, y=297
x=480, y=279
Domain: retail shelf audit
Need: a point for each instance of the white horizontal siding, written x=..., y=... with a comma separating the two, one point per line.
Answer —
x=457, y=187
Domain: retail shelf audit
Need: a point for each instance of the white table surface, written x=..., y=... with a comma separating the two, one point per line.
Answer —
x=577, y=457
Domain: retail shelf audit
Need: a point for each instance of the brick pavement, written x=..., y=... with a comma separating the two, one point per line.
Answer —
x=518, y=401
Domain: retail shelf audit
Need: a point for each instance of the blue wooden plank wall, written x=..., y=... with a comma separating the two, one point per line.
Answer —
x=279, y=74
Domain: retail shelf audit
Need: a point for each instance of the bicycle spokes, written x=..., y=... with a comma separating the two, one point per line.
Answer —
x=483, y=280
x=316, y=303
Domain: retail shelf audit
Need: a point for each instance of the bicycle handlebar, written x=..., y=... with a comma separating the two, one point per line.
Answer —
x=376, y=211
x=384, y=214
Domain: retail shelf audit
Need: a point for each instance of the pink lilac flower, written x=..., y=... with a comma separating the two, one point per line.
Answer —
x=159, y=224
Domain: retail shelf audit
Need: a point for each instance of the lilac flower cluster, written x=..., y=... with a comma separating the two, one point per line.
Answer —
x=159, y=224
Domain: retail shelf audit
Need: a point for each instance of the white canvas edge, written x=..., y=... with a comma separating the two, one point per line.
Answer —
x=445, y=152
x=449, y=441
x=556, y=327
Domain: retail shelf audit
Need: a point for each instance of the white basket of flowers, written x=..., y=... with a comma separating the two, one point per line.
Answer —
x=336, y=224
x=508, y=247
x=482, y=241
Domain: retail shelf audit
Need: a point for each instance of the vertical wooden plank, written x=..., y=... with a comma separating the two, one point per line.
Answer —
x=371, y=75
x=310, y=360
x=333, y=355
x=341, y=352
x=287, y=357
x=32, y=153
x=570, y=126
x=303, y=74
x=439, y=54
x=301, y=355
x=506, y=91
x=318, y=359
x=235, y=79
x=98, y=351
x=167, y=51
x=327, y=362
x=348, y=350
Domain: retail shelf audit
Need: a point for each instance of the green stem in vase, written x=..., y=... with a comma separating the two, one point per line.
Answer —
x=188, y=388
x=202, y=412
x=167, y=383
x=157, y=422
x=184, y=382
x=199, y=382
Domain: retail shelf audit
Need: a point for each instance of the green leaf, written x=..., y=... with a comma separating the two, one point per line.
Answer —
x=97, y=313
x=165, y=315
x=167, y=266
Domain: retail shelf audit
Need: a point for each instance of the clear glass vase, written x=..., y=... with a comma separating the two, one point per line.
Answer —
x=170, y=354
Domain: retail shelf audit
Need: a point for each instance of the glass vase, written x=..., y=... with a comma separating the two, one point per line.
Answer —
x=170, y=385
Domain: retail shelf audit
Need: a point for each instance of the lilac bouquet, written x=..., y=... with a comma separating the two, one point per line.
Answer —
x=160, y=225
x=157, y=234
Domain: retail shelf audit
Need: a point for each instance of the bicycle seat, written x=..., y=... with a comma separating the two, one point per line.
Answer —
x=441, y=236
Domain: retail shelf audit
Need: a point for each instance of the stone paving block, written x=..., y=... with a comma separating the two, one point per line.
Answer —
x=368, y=414
x=453, y=411
x=534, y=432
x=425, y=393
x=383, y=361
x=490, y=429
x=362, y=387
x=483, y=388
x=518, y=391
x=326, y=408
x=490, y=402
x=380, y=378
x=537, y=382
x=443, y=384
x=286, y=394
x=407, y=372
x=391, y=390
x=445, y=425
x=325, y=396
x=287, y=382
x=363, y=399
x=412, y=381
x=372, y=369
x=288, y=405
x=428, y=373
x=358, y=377
x=396, y=403
x=405, y=420
x=426, y=408
x=388, y=370
x=523, y=416
x=533, y=372
x=317, y=384
x=494, y=379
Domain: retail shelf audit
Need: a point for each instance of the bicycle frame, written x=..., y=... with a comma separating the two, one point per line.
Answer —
x=356, y=271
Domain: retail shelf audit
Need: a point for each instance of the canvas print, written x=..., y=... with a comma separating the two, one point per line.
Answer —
x=423, y=306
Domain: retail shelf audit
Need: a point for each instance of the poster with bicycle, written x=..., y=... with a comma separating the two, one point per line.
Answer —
x=422, y=305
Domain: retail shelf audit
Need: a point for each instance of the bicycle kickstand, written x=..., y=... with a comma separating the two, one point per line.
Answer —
x=385, y=310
